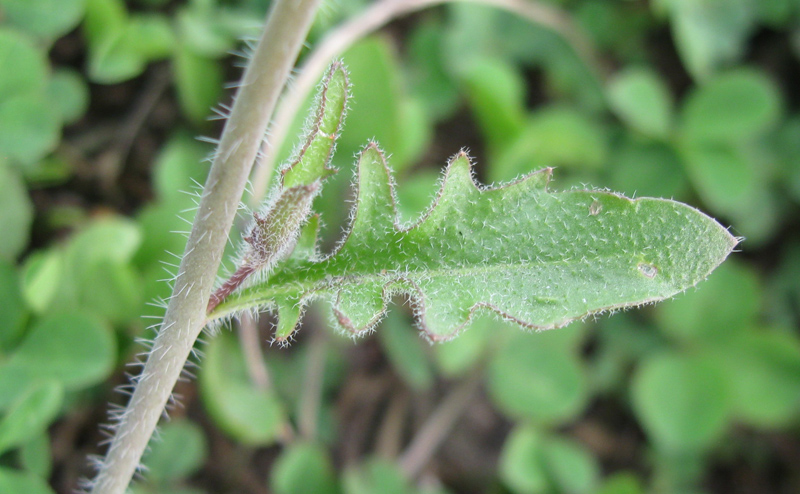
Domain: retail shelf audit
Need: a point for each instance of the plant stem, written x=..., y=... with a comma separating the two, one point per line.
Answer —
x=286, y=28
x=311, y=398
x=436, y=429
x=373, y=18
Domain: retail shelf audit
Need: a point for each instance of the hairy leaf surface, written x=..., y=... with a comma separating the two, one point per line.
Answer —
x=539, y=258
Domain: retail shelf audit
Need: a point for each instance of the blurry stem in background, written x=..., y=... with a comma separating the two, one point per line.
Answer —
x=251, y=349
x=311, y=397
x=436, y=429
x=392, y=426
x=284, y=33
x=373, y=18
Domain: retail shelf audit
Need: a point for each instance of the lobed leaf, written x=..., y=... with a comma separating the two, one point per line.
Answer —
x=539, y=258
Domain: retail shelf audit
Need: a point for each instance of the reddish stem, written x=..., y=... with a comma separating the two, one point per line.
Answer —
x=229, y=286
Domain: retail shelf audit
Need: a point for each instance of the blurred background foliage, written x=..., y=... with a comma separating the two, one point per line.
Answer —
x=695, y=100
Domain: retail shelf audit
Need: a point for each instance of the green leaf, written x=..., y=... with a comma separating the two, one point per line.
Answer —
x=373, y=476
x=549, y=139
x=97, y=270
x=736, y=105
x=532, y=463
x=303, y=468
x=532, y=380
x=710, y=34
x=43, y=18
x=788, y=149
x=642, y=100
x=415, y=193
x=622, y=483
x=539, y=258
x=16, y=214
x=111, y=290
x=14, y=482
x=428, y=78
x=572, y=468
x=376, y=105
x=67, y=91
x=722, y=176
x=179, y=451
x=683, y=402
x=30, y=414
x=30, y=65
x=110, y=239
x=647, y=169
x=113, y=50
x=250, y=415
x=403, y=347
x=456, y=357
x=177, y=169
x=73, y=349
x=103, y=19
x=763, y=369
x=202, y=31
x=35, y=455
x=496, y=94
x=152, y=35
x=521, y=465
x=29, y=127
x=198, y=80
x=116, y=58
x=724, y=306
x=13, y=314
x=312, y=159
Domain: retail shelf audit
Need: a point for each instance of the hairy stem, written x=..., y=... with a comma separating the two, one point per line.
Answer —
x=287, y=25
x=373, y=18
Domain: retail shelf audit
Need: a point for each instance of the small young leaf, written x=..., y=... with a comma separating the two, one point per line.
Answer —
x=29, y=127
x=13, y=481
x=35, y=455
x=67, y=91
x=375, y=475
x=642, y=100
x=30, y=64
x=711, y=33
x=248, y=414
x=71, y=348
x=647, y=169
x=312, y=159
x=572, y=468
x=548, y=139
x=378, y=99
x=275, y=229
x=763, y=369
x=16, y=214
x=727, y=305
x=14, y=314
x=179, y=451
x=405, y=351
x=44, y=18
x=303, y=468
x=540, y=258
x=730, y=107
x=30, y=414
x=530, y=380
x=198, y=80
x=496, y=94
x=683, y=402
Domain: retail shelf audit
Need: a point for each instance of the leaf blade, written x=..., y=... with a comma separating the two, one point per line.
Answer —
x=541, y=259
